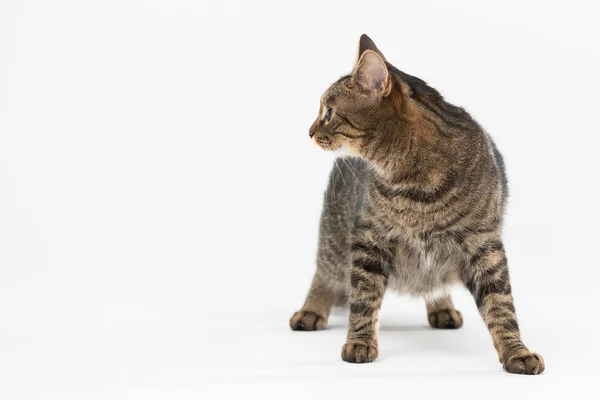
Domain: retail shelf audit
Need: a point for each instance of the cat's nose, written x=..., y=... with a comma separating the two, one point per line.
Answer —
x=313, y=129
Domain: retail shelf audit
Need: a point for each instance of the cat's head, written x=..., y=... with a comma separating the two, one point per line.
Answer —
x=353, y=107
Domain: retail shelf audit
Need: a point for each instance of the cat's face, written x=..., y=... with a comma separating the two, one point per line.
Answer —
x=352, y=107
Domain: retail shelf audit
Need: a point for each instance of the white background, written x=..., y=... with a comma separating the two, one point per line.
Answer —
x=160, y=197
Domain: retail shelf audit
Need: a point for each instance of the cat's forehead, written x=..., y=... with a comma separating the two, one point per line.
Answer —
x=337, y=92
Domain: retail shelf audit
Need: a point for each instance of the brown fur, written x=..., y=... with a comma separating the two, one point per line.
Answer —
x=418, y=209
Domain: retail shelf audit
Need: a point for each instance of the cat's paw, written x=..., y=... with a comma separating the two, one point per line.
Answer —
x=357, y=352
x=307, y=321
x=527, y=364
x=445, y=319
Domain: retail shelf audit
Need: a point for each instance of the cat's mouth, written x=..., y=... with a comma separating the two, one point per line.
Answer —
x=327, y=145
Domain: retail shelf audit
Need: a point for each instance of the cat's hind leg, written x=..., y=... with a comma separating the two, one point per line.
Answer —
x=442, y=314
x=322, y=296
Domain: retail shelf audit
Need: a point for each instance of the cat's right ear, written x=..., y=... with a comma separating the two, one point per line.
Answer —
x=371, y=74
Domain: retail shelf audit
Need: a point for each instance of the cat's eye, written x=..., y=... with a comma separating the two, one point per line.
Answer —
x=329, y=114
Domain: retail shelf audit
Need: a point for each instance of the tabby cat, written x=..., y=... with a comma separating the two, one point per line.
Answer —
x=417, y=209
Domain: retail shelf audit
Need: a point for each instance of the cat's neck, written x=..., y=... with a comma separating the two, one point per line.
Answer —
x=407, y=152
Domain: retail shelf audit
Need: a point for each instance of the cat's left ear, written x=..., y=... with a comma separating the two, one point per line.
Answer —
x=372, y=75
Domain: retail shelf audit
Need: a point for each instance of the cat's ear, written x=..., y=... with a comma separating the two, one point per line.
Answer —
x=372, y=75
x=365, y=43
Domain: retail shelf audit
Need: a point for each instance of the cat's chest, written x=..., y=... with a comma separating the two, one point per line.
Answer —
x=398, y=217
x=424, y=268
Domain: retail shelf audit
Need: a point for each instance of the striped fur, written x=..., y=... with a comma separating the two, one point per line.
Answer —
x=418, y=210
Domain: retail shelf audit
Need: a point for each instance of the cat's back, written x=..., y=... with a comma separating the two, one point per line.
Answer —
x=346, y=189
x=343, y=202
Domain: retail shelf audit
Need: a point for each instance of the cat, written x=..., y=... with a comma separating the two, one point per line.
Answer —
x=417, y=208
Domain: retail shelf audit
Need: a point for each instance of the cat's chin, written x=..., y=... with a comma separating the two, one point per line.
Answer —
x=344, y=151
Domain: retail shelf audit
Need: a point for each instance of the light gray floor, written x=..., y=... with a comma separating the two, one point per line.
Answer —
x=235, y=355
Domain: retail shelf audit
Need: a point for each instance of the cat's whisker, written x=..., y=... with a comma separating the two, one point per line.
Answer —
x=351, y=170
x=332, y=186
x=338, y=168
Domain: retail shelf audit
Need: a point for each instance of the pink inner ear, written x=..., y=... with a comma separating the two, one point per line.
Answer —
x=372, y=72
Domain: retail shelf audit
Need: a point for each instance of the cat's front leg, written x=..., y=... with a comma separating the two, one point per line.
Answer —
x=488, y=280
x=368, y=280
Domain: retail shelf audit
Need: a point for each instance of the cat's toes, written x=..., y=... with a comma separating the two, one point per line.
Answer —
x=445, y=319
x=307, y=321
x=529, y=364
x=359, y=352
